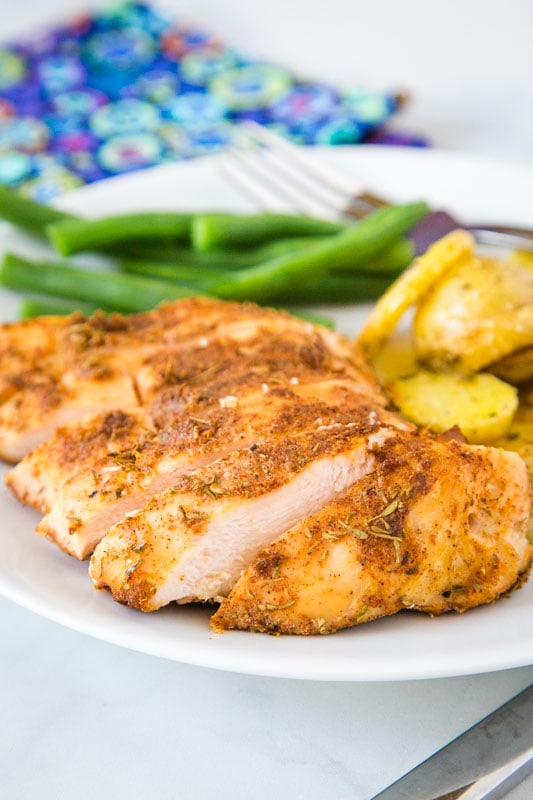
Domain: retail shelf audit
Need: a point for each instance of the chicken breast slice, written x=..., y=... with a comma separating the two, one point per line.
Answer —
x=84, y=365
x=437, y=526
x=192, y=541
x=87, y=504
x=37, y=479
x=25, y=423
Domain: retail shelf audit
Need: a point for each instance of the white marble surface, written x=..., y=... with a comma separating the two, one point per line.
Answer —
x=80, y=717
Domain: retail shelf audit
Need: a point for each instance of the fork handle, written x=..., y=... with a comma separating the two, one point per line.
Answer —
x=508, y=239
x=363, y=204
x=438, y=223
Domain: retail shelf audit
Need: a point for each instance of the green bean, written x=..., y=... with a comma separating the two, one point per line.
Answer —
x=32, y=307
x=168, y=253
x=112, y=290
x=187, y=266
x=283, y=276
x=180, y=273
x=225, y=257
x=267, y=250
x=390, y=261
x=26, y=213
x=219, y=230
x=335, y=289
x=155, y=252
x=373, y=235
x=71, y=236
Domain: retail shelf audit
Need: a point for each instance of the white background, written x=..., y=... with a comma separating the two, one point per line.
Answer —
x=80, y=717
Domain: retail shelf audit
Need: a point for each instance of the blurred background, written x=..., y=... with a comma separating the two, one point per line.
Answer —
x=464, y=67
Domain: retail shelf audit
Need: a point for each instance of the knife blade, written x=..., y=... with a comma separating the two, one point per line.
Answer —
x=489, y=745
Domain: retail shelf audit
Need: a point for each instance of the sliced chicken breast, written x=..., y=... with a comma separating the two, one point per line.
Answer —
x=37, y=479
x=437, y=526
x=192, y=541
x=80, y=365
x=87, y=504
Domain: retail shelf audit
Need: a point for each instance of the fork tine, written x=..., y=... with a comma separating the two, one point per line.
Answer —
x=254, y=170
x=317, y=180
x=260, y=193
x=351, y=191
x=320, y=191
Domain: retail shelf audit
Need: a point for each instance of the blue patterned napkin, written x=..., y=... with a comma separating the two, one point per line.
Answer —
x=129, y=87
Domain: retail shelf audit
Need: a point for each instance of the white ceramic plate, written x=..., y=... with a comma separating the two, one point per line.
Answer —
x=37, y=575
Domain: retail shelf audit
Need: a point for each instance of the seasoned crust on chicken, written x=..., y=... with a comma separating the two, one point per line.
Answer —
x=79, y=365
x=436, y=526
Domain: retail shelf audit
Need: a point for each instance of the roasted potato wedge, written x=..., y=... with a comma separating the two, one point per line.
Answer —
x=481, y=405
x=411, y=286
x=476, y=314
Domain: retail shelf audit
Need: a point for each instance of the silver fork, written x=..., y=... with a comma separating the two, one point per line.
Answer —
x=274, y=171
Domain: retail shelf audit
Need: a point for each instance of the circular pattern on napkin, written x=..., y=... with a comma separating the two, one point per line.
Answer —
x=128, y=87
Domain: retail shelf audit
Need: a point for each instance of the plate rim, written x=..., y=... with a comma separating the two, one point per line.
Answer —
x=388, y=151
